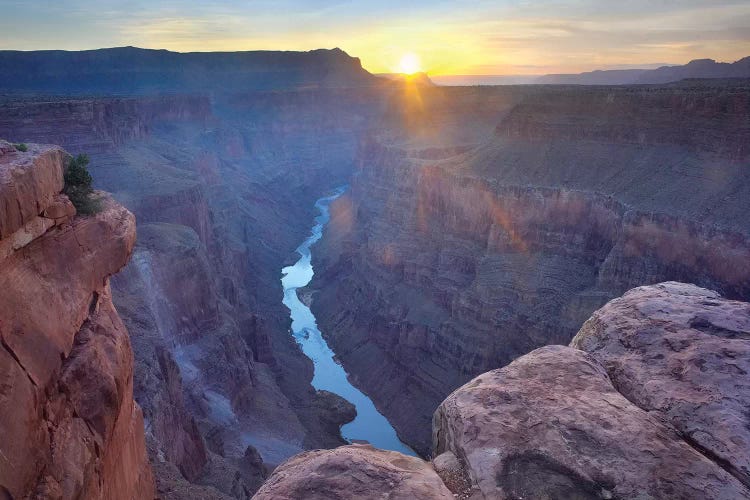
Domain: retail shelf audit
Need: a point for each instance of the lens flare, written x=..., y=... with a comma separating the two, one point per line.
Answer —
x=409, y=63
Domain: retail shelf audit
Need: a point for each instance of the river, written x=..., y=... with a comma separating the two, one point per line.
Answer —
x=369, y=425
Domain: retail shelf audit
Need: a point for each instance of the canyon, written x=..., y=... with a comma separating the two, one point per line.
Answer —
x=224, y=388
x=481, y=224
x=648, y=401
x=454, y=254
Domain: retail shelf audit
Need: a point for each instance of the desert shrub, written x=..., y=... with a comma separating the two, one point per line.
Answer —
x=21, y=147
x=78, y=186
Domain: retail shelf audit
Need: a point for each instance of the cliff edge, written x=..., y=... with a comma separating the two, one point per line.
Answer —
x=69, y=425
x=649, y=401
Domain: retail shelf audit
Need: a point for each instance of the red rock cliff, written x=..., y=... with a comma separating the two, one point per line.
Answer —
x=70, y=426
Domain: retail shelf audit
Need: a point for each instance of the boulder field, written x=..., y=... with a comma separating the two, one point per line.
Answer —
x=648, y=401
x=69, y=426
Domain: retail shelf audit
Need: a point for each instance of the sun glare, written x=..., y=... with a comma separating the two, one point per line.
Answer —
x=409, y=63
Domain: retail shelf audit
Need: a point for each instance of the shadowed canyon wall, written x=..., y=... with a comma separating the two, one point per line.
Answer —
x=223, y=188
x=447, y=259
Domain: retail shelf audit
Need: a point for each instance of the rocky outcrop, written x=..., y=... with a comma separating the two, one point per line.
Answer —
x=70, y=426
x=552, y=425
x=355, y=471
x=28, y=185
x=683, y=353
x=655, y=409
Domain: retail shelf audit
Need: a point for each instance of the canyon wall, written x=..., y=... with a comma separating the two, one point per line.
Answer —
x=70, y=425
x=446, y=260
x=223, y=189
x=649, y=401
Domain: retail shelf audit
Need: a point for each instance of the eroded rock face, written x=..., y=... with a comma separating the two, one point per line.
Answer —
x=28, y=183
x=355, y=471
x=211, y=182
x=447, y=260
x=69, y=425
x=552, y=425
x=683, y=353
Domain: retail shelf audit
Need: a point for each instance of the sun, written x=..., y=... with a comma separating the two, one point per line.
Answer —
x=409, y=63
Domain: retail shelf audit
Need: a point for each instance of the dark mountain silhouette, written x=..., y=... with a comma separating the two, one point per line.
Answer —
x=698, y=68
x=131, y=70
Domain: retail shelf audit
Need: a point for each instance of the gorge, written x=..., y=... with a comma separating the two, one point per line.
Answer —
x=485, y=236
x=367, y=425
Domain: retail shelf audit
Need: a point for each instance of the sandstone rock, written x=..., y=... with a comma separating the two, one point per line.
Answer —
x=83, y=436
x=354, y=471
x=30, y=231
x=69, y=425
x=184, y=445
x=90, y=249
x=333, y=410
x=61, y=206
x=551, y=425
x=683, y=353
x=453, y=473
x=28, y=184
x=97, y=381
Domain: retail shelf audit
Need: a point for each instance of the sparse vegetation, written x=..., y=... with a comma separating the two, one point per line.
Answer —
x=78, y=186
x=21, y=146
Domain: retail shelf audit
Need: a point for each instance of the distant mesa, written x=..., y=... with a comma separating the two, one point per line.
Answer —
x=698, y=68
x=135, y=71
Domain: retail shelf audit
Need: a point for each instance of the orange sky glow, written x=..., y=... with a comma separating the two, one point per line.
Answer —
x=504, y=37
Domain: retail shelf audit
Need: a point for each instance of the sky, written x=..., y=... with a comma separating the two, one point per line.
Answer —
x=478, y=37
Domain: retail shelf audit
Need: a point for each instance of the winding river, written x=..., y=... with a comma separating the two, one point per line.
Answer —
x=369, y=425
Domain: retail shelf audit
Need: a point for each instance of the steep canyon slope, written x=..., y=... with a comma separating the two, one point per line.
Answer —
x=460, y=248
x=69, y=425
x=223, y=186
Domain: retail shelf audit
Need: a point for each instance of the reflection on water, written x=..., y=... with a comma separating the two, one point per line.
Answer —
x=369, y=425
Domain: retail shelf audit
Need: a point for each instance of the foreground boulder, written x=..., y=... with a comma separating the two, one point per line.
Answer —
x=682, y=353
x=69, y=427
x=551, y=425
x=656, y=409
x=356, y=471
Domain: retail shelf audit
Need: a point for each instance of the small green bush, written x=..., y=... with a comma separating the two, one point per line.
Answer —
x=78, y=186
x=21, y=147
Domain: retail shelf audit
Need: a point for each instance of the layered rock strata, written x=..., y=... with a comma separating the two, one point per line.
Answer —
x=446, y=260
x=70, y=426
x=225, y=390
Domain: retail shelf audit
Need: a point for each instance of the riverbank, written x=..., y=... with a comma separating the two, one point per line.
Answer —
x=369, y=425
